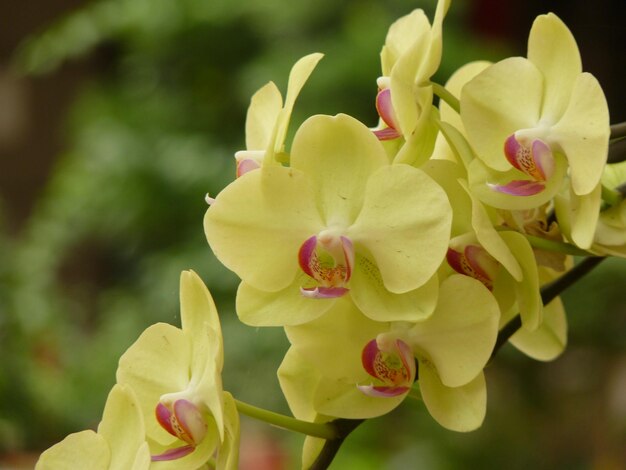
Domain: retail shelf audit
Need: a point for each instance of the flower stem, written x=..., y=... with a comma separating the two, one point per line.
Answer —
x=446, y=96
x=331, y=447
x=551, y=245
x=322, y=430
x=548, y=293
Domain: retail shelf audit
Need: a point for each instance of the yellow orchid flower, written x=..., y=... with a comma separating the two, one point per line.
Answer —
x=409, y=58
x=176, y=374
x=268, y=118
x=340, y=221
x=534, y=121
x=376, y=367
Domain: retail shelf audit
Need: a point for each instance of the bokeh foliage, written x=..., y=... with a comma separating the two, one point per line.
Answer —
x=122, y=213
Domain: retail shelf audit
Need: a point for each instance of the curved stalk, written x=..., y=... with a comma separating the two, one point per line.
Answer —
x=550, y=245
x=327, y=431
x=548, y=293
x=446, y=96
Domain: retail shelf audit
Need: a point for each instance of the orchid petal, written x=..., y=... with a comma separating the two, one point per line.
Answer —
x=553, y=49
x=85, y=449
x=448, y=174
x=157, y=363
x=285, y=307
x=405, y=224
x=298, y=76
x=298, y=379
x=338, y=153
x=206, y=375
x=420, y=144
x=228, y=453
x=457, y=144
x=406, y=98
x=502, y=99
x=489, y=238
x=459, y=409
x=259, y=221
x=124, y=440
x=336, y=392
x=369, y=294
x=528, y=294
x=579, y=216
x=433, y=60
x=583, y=133
x=549, y=340
x=454, y=85
x=401, y=36
x=265, y=106
x=197, y=308
x=336, y=397
x=318, y=340
x=459, y=336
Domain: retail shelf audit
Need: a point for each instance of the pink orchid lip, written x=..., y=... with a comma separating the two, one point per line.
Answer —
x=185, y=422
x=332, y=280
x=395, y=368
x=173, y=454
x=468, y=263
x=382, y=391
x=388, y=133
x=536, y=160
x=519, y=187
x=385, y=110
x=164, y=417
x=246, y=165
x=323, y=292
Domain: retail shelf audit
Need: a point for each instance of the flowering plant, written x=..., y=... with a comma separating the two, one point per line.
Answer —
x=398, y=258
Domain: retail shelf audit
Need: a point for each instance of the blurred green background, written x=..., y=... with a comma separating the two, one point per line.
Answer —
x=118, y=116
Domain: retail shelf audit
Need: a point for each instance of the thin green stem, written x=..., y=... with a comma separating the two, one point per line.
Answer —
x=550, y=245
x=323, y=430
x=448, y=97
